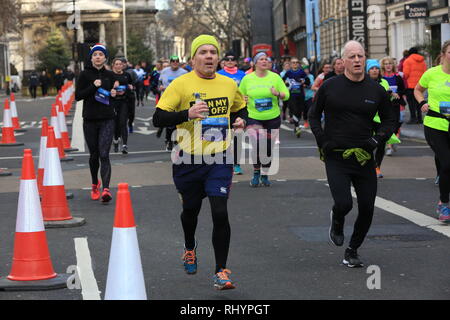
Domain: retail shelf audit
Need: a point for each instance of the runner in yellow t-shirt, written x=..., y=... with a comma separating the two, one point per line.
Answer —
x=436, y=123
x=202, y=165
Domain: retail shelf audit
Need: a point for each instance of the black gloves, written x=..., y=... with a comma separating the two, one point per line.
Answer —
x=372, y=143
x=328, y=146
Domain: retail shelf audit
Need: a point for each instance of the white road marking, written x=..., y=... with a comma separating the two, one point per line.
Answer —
x=416, y=217
x=89, y=286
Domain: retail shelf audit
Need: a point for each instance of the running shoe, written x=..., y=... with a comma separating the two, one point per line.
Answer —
x=222, y=280
x=444, y=212
x=256, y=177
x=306, y=125
x=336, y=231
x=124, y=149
x=379, y=174
x=265, y=181
x=190, y=261
x=237, y=169
x=351, y=259
x=95, y=193
x=389, y=152
x=298, y=132
x=106, y=195
x=116, y=146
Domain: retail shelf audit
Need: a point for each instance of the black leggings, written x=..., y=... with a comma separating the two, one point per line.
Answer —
x=414, y=110
x=99, y=135
x=121, y=120
x=439, y=142
x=221, y=227
x=259, y=130
x=297, y=107
x=341, y=174
x=131, y=109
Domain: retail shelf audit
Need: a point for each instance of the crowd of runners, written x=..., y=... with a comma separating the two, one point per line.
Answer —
x=353, y=105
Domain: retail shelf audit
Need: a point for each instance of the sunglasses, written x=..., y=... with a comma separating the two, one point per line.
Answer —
x=178, y=61
x=230, y=59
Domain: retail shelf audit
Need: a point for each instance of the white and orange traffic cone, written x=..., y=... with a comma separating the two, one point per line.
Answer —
x=125, y=280
x=54, y=122
x=8, y=137
x=31, y=268
x=63, y=128
x=55, y=208
x=42, y=148
x=14, y=115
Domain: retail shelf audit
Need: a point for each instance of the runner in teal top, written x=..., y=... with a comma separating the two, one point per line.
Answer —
x=262, y=90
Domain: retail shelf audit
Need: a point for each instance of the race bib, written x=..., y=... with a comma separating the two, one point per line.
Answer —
x=444, y=108
x=121, y=88
x=295, y=86
x=170, y=79
x=393, y=88
x=214, y=129
x=263, y=104
x=102, y=96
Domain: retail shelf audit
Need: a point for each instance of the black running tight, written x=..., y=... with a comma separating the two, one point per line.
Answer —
x=99, y=135
x=439, y=141
x=221, y=227
x=341, y=175
x=121, y=120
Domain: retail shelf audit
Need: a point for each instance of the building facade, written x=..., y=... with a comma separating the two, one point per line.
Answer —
x=86, y=23
x=290, y=34
x=361, y=20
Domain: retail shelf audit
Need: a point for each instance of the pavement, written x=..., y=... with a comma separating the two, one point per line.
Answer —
x=279, y=243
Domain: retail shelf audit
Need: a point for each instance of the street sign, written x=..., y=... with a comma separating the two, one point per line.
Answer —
x=416, y=10
x=262, y=47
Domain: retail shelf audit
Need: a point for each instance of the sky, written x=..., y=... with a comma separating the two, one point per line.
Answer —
x=161, y=4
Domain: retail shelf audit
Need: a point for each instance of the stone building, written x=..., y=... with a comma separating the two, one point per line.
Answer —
x=91, y=22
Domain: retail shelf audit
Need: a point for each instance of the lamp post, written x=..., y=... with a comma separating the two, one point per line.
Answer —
x=124, y=30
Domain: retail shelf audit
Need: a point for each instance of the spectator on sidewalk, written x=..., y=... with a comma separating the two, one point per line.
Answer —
x=33, y=82
x=45, y=82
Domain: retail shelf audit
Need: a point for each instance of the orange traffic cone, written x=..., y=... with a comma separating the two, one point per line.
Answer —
x=54, y=122
x=42, y=148
x=31, y=267
x=8, y=138
x=63, y=128
x=125, y=280
x=14, y=115
x=54, y=203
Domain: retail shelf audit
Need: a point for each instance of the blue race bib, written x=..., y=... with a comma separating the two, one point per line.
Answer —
x=102, y=96
x=444, y=108
x=263, y=104
x=214, y=129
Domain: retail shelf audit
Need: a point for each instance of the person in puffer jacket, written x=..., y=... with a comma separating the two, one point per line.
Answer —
x=413, y=69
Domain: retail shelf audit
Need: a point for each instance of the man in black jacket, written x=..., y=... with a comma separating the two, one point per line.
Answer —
x=350, y=102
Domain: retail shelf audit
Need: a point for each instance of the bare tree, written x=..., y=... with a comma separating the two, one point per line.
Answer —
x=9, y=16
x=227, y=20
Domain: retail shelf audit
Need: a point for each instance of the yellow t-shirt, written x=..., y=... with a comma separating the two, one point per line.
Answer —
x=438, y=84
x=221, y=94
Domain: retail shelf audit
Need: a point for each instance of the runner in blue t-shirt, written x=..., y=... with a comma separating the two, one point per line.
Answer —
x=231, y=70
x=296, y=79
